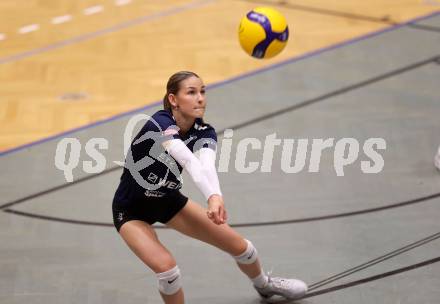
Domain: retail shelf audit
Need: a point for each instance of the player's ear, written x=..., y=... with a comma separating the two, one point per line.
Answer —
x=173, y=100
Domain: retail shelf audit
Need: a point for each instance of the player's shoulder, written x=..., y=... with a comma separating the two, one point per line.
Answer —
x=204, y=130
x=160, y=121
x=201, y=125
x=162, y=114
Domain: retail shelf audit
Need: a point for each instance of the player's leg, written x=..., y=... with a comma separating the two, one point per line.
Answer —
x=193, y=221
x=143, y=241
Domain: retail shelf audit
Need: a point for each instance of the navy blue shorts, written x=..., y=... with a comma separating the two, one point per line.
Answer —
x=149, y=209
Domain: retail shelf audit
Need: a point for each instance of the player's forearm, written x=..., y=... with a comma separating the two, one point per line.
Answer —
x=202, y=177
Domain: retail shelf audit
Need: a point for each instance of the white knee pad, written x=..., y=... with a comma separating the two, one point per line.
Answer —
x=249, y=256
x=169, y=281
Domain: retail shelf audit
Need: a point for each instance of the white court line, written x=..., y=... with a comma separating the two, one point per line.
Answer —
x=61, y=19
x=93, y=10
x=111, y=29
x=29, y=28
x=2, y=36
x=122, y=2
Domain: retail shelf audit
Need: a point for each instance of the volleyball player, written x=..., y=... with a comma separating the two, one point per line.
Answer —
x=149, y=192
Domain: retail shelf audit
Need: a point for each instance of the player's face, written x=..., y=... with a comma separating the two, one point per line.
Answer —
x=191, y=97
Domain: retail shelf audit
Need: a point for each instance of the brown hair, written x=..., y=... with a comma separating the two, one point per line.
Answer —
x=173, y=86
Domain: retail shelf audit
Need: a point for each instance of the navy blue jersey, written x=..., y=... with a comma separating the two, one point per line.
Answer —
x=149, y=170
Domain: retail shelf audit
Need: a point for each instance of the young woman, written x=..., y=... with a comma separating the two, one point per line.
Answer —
x=149, y=192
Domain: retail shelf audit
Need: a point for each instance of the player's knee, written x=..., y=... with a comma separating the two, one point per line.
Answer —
x=169, y=281
x=164, y=263
x=249, y=256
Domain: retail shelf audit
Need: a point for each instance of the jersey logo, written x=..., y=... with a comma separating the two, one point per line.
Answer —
x=152, y=177
x=154, y=193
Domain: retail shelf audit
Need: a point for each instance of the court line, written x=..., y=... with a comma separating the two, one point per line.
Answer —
x=122, y=2
x=58, y=219
x=368, y=279
x=61, y=19
x=256, y=224
x=92, y=10
x=29, y=28
x=365, y=280
x=111, y=29
x=222, y=83
x=425, y=27
x=251, y=121
x=374, y=261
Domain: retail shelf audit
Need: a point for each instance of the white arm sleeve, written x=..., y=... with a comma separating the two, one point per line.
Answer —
x=207, y=158
x=180, y=152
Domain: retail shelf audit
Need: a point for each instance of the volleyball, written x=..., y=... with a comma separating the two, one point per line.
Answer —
x=263, y=32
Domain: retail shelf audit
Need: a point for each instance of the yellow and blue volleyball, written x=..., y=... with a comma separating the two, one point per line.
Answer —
x=263, y=32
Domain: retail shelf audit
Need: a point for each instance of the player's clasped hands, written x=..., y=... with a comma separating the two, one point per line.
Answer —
x=216, y=209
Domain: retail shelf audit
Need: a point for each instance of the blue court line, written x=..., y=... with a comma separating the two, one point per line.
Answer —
x=108, y=30
x=227, y=81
